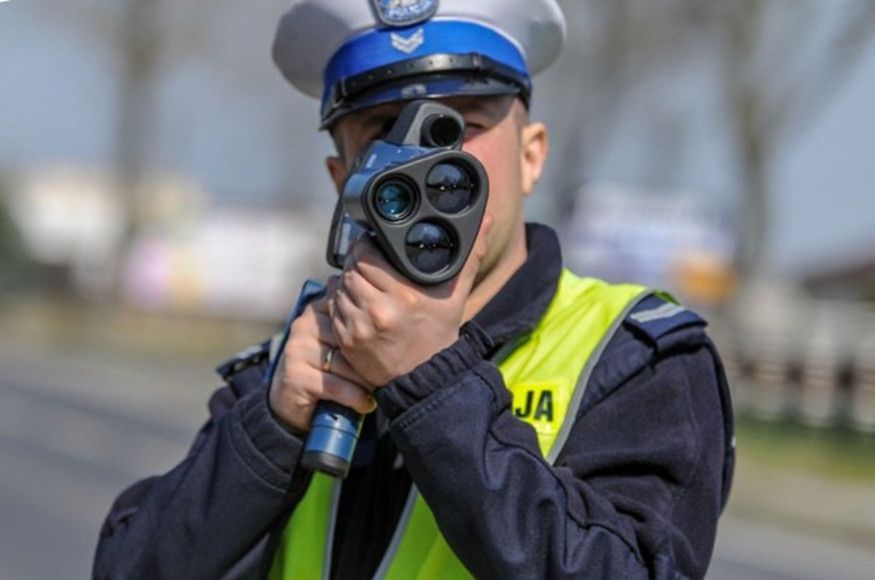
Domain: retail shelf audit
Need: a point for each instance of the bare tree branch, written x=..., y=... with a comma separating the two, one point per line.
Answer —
x=804, y=98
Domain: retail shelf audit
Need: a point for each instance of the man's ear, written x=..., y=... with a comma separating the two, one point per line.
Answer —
x=337, y=171
x=533, y=154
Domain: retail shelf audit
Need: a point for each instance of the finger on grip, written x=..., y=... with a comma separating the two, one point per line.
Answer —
x=340, y=390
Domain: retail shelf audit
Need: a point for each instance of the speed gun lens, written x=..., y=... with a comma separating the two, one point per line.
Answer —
x=430, y=247
x=393, y=200
x=450, y=188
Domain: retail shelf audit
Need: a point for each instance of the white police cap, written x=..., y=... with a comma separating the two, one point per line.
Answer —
x=358, y=53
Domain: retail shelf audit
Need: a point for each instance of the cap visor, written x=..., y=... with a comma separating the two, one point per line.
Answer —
x=433, y=86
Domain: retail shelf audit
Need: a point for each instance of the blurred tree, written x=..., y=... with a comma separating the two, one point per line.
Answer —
x=148, y=39
x=781, y=63
x=778, y=63
x=141, y=45
x=13, y=263
x=143, y=37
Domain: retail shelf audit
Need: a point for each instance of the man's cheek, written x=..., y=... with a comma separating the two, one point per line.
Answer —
x=476, y=146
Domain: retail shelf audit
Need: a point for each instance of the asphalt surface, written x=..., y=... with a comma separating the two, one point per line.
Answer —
x=75, y=428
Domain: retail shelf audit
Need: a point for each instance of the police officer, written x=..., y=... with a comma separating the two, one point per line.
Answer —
x=522, y=422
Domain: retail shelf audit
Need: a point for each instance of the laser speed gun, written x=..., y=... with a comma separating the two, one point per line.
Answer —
x=421, y=199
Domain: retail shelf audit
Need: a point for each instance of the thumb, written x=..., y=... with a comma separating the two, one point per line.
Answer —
x=472, y=267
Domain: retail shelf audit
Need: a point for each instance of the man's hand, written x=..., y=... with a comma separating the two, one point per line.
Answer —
x=387, y=325
x=301, y=380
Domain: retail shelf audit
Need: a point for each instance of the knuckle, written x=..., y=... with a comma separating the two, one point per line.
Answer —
x=345, y=340
x=292, y=351
x=381, y=317
x=290, y=380
x=294, y=395
x=292, y=342
x=349, y=279
x=410, y=299
x=302, y=324
x=362, y=332
x=297, y=328
x=301, y=401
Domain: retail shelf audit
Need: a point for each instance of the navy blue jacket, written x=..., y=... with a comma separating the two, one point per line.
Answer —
x=636, y=492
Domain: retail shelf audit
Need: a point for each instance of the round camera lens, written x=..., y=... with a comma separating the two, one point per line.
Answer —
x=443, y=131
x=430, y=247
x=393, y=200
x=450, y=187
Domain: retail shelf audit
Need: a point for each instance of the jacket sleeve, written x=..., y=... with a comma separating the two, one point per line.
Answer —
x=210, y=516
x=635, y=494
x=204, y=516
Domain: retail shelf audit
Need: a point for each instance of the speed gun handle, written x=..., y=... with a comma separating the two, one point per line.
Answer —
x=331, y=443
x=335, y=429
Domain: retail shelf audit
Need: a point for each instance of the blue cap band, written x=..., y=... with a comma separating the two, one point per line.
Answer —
x=374, y=48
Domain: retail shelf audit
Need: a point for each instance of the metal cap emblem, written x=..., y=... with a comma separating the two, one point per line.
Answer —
x=399, y=13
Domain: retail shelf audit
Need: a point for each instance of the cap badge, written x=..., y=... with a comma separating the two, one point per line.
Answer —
x=413, y=91
x=404, y=12
x=409, y=44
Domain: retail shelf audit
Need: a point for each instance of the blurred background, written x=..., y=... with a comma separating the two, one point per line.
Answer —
x=163, y=196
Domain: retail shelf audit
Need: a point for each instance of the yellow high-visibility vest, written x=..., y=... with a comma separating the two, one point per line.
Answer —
x=546, y=375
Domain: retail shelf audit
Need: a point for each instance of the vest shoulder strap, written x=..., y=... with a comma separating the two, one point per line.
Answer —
x=659, y=314
x=584, y=296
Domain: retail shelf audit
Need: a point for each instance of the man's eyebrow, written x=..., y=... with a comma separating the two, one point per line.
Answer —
x=377, y=126
x=379, y=120
x=478, y=107
x=387, y=122
x=372, y=128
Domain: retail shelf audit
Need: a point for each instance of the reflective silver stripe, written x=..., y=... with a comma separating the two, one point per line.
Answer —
x=666, y=310
x=329, y=539
x=583, y=379
x=398, y=535
x=507, y=349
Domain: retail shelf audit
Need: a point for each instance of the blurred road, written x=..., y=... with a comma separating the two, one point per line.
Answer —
x=76, y=428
